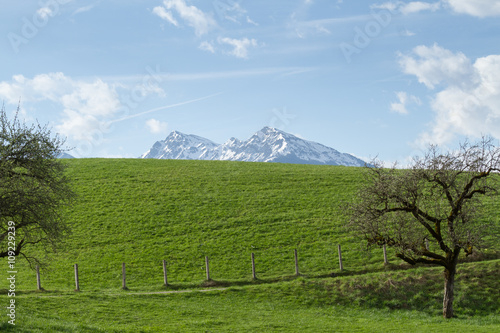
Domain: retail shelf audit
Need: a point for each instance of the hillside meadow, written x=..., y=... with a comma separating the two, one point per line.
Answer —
x=141, y=212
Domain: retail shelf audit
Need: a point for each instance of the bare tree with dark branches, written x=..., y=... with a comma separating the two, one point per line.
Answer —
x=33, y=188
x=429, y=212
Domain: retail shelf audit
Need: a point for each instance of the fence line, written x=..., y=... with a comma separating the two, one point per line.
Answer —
x=207, y=269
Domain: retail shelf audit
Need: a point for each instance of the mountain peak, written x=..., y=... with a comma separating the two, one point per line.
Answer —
x=176, y=135
x=267, y=145
x=271, y=131
x=178, y=145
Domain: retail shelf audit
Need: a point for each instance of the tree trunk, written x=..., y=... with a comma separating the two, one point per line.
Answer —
x=449, y=285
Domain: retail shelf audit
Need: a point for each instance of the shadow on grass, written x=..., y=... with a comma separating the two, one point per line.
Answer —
x=6, y=327
x=421, y=289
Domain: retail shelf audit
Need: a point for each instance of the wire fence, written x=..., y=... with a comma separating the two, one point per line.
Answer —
x=257, y=265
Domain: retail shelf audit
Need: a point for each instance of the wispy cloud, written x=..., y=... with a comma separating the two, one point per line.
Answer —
x=218, y=75
x=240, y=46
x=407, y=33
x=83, y=9
x=407, y=8
x=478, y=8
x=45, y=12
x=403, y=100
x=165, y=107
x=230, y=10
x=166, y=15
x=207, y=46
x=156, y=126
x=200, y=21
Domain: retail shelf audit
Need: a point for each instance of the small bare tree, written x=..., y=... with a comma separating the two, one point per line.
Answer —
x=429, y=212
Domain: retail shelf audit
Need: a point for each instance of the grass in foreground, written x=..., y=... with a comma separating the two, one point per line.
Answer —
x=394, y=301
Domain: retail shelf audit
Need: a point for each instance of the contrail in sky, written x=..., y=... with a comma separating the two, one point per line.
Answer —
x=164, y=107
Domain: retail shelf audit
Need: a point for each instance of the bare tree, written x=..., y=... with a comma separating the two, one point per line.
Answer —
x=33, y=188
x=430, y=211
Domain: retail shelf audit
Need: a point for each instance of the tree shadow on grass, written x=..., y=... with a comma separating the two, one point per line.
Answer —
x=476, y=290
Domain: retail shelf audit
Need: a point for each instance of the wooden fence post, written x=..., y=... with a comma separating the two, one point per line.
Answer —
x=124, y=277
x=340, y=259
x=254, y=275
x=38, y=281
x=77, y=280
x=207, y=267
x=296, y=262
x=385, y=256
x=165, y=281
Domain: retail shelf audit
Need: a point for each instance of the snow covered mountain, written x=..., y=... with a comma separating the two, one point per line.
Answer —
x=267, y=145
x=180, y=146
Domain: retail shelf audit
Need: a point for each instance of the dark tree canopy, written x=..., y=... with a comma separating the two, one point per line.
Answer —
x=33, y=188
x=430, y=212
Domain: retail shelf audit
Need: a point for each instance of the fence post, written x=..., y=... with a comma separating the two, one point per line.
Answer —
x=124, y=277
x=340, y=259
x=165, y=281
x=38, y=281
x=385, y=256
x=254, y=275
x=77, y=280
x=207, y=268
x=296, y=262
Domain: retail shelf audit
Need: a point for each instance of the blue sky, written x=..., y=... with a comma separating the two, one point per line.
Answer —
x=371, y=78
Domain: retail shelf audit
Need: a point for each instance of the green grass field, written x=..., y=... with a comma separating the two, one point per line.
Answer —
x=144, y=211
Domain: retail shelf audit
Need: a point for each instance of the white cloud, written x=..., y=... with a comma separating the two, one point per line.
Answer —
x=207, y=46
x=249, y=20
x=479, y=8
x=164, y=14
x=45, y=12
x=418, y=6
x=85, y=104
x=201, y=22
x=434, y=65
x=83, y=9
x=408, y=8
x=468, y=100
x=231, y=11
x=407, y=33
x=391, y=6
x=156, y=126
x=240, y=46
x=403, y=100
x=79, y=126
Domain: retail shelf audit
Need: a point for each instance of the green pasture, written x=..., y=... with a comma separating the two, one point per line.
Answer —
x=141, y=212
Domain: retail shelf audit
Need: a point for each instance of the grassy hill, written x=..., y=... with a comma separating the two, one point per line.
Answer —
x=144, y=211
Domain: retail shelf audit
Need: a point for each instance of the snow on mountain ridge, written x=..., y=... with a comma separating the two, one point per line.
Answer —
x=178, y=145
x=267, y=145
